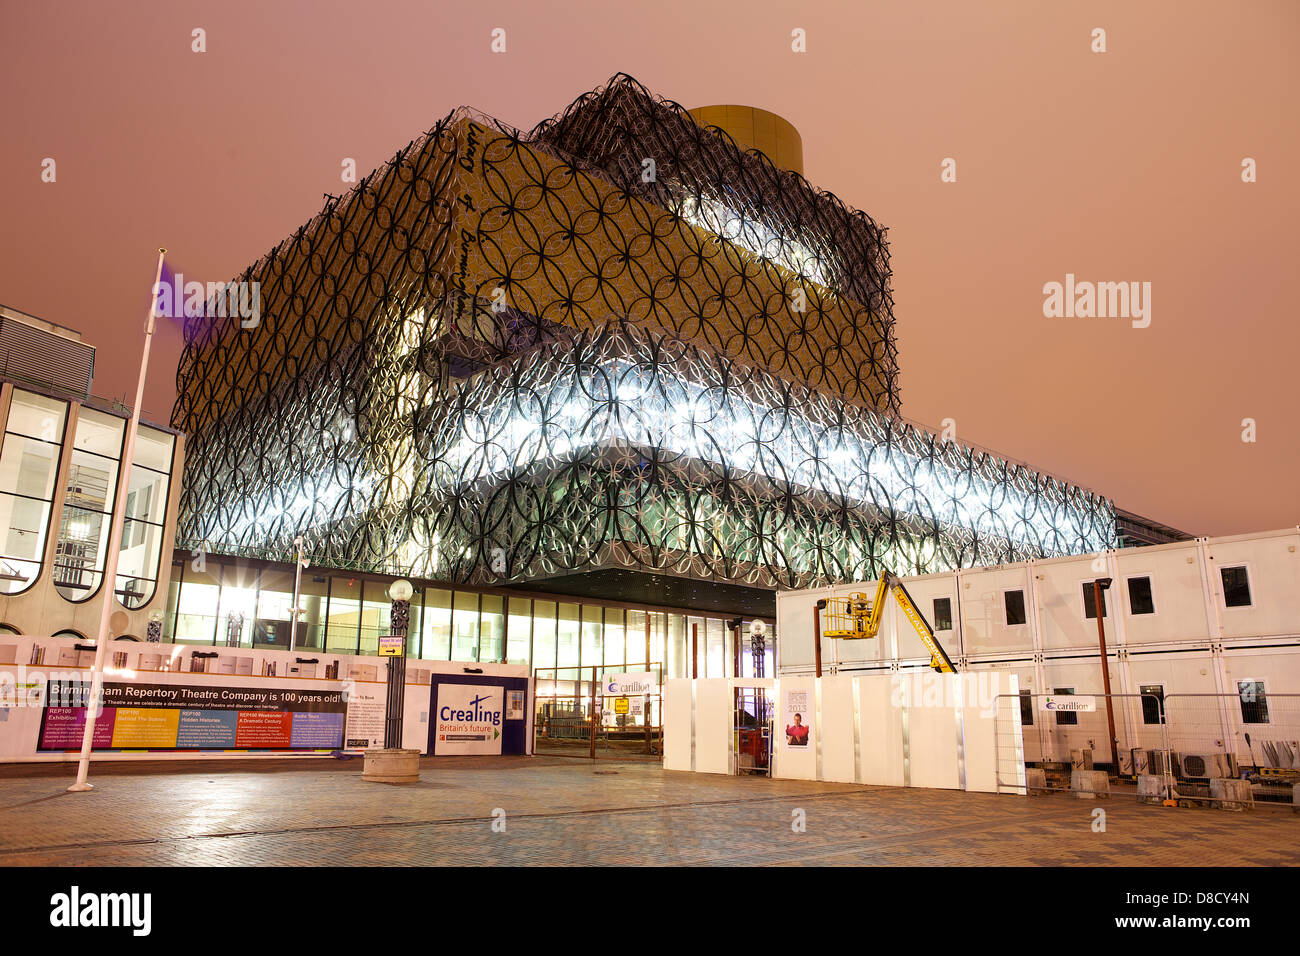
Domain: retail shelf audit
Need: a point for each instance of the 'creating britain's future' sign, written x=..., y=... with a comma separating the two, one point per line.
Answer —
x=469, y=719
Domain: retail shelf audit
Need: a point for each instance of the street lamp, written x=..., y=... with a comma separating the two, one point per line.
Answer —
x=300, y=561
x=757, y=645
x=234, y=628
x=394, y=646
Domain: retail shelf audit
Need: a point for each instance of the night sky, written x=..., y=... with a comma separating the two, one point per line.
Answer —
x=1122, y=166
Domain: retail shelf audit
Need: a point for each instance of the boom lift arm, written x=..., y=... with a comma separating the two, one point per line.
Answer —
x=856, y=618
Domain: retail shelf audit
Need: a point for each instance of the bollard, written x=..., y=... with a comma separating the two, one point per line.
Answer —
x=1035, y=781
x=1232, y=794
x=1151, y=789
x=1090, y=784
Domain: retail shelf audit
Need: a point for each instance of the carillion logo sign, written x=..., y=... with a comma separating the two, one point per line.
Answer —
x=623, y=684
x=1074, y=704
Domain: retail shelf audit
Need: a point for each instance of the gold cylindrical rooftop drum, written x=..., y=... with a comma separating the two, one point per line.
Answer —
x=754, y=128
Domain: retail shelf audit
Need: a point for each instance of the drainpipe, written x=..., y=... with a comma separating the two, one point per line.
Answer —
x=817, y=634
x=695, y=649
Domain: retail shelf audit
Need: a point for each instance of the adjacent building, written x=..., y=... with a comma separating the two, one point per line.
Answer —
x=60, y=465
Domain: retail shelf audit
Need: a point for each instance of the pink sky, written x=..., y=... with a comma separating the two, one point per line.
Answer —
x=1120, y=166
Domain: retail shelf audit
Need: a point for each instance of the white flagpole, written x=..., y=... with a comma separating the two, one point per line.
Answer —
x=94, y=704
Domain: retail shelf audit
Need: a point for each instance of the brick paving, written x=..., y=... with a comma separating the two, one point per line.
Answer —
x=576, y=812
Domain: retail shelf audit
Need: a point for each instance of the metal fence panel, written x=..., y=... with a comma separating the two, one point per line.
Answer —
x=1228, y=750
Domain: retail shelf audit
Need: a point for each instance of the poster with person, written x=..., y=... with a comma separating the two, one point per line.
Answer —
x=796, y=713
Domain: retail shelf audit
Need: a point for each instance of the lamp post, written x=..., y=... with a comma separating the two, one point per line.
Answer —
x=234, y=628
x=1099, y=587
x=758, y=645
x=757, y=650
x=299, y=563
x=398, y=619
x=734, y=627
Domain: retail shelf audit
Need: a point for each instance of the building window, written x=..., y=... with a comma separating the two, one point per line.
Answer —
x=713, y=649
x=196, y=606
x=414, y=621
x=90, y=490
x=1254, y=702
x=343, y=616
x=1153, y=703
x=1027, y=707
x=943, y=614
x=567, y=637
x=616, y=639
x=1014, y=601
x=146, y=514
x=376, y=608
x=679, y=664
x=237, y=608
x=519, y=628
x=465, y=627
x=1236, y=586
x=1140, y=600
x=29, y=464
x=492, y=628
x=435, y=643
x=592, y=635
x=544, y=615
x=1065, y=718
x=1090, y=602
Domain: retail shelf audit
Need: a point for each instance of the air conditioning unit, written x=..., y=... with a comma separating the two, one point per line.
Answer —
x=1205, y=766
x=1135, y=762
x=1156, y=762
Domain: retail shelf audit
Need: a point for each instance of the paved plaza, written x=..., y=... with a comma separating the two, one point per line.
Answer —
x=309, y=812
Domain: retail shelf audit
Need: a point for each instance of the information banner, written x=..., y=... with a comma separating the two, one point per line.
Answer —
x=193, y=717
x=366, y=706
x=796, y=712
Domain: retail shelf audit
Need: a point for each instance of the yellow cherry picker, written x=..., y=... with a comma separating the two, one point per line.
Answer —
x=854, y=617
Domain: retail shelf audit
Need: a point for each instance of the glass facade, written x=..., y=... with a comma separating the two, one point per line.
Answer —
x=29, y=462
x=345, y=614
x=146, y=514
x=90, y=490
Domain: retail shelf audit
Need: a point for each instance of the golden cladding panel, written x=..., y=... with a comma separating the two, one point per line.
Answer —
x=572, y=249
